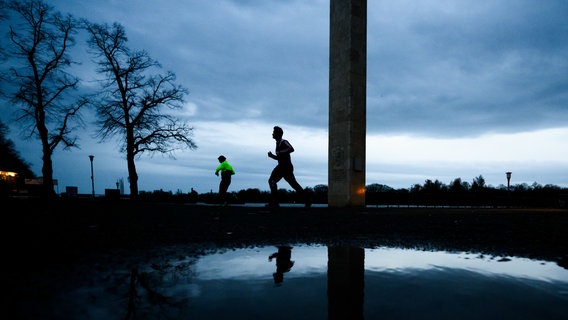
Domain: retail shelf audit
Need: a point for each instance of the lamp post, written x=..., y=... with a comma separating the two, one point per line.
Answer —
x=508, y=179
x=91, y=157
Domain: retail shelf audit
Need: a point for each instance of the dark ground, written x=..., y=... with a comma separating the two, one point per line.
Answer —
x=61, y=247
x=67, y=229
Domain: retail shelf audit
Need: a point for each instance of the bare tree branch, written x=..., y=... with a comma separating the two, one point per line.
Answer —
x=135, y=96
x=40, y=42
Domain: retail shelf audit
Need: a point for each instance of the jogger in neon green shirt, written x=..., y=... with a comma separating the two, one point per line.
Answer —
x=226, y=172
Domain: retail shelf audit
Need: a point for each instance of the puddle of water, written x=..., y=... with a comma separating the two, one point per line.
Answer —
x=313, y=282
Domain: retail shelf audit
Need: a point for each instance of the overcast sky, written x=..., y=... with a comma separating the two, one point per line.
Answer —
x=455, y=89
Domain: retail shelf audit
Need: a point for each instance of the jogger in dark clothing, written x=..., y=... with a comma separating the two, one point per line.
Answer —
x=284, y=169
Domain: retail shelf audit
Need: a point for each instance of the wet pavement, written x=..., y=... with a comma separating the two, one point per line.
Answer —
x=73, y=246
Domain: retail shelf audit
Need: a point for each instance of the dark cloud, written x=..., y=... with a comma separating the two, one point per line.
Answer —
x=436, y=69
x=469, y=69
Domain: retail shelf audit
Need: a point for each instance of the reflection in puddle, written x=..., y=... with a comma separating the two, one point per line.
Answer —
x=320, y=282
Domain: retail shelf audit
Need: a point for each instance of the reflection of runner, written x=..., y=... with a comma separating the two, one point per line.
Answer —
x=283, y=262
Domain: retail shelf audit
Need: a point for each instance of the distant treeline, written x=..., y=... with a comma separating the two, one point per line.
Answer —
x=431, y=193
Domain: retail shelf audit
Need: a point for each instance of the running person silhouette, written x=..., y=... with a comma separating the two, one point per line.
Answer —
x=226, y=172
x=284, y=169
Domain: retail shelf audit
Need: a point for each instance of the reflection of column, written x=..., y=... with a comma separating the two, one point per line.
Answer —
x=345, y=282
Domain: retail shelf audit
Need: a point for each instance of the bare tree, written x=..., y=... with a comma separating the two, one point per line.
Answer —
x=41, y=40
x=3, y=16
x=134, y=99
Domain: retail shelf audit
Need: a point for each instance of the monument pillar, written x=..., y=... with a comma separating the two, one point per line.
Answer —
x=347, y=103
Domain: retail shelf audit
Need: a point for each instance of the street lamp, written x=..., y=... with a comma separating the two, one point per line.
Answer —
x=508, y=179
x=91, y=157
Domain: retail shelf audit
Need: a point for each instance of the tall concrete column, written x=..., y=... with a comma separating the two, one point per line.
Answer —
x=347, y=103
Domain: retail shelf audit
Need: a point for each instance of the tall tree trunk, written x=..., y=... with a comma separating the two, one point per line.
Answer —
x=132, y=177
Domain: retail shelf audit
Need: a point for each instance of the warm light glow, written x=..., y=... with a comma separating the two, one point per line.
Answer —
x=8, y=174
x=361, y=190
